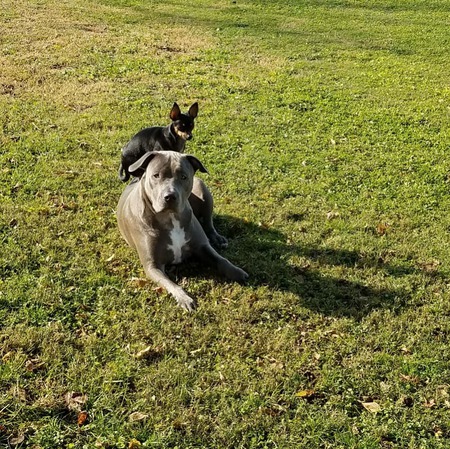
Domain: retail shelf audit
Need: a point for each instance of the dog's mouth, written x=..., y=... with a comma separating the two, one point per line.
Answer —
x=168, y=202
x=184, y=135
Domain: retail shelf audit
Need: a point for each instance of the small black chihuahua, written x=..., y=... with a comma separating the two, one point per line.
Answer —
x=159, y=138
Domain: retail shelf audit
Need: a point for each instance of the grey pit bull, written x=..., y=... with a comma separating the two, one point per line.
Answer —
x=159, y=215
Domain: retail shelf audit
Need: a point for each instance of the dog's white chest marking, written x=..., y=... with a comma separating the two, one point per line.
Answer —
x=178, y=239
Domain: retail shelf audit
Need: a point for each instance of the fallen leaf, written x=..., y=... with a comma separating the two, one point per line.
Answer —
x=2, y=428
x=372, y=407
x=134, y=444
x=16, y=187
x=429, y=403
x=82, y=418
x=75, y=400
x=139, y=282
x=382, y=228
x=305, y=393
x=137, y=416
x=332, y=214
x=144, y=353
x=158, y=290
x=33, y=365
x=14, y=441
x=411, y=379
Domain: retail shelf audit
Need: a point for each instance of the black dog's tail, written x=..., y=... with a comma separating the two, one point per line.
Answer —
x=124, y=176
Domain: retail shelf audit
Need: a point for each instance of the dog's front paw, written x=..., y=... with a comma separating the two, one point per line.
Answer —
x=238, y=275
x=217, y=240
x=186, y=302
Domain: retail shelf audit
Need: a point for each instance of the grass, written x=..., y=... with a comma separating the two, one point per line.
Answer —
x=324, y=125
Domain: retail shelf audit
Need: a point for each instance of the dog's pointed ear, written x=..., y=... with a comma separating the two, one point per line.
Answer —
x=196, y=164
x=138, y=168
x=193, y=110
x=175, y=112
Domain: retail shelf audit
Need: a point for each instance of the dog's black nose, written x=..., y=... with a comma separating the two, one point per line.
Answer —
x=189, y=137
x=170, y=197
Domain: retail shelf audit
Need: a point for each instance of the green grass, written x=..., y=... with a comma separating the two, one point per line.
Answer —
x=324, y=125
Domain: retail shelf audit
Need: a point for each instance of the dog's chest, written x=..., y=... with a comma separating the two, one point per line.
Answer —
x=178, y=240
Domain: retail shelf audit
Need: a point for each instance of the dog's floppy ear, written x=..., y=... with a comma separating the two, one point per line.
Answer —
x=175, y=112
x=193, y=110
x=196, y=164
x=138, y=168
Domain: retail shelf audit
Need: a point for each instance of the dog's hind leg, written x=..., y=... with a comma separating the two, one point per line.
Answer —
x=209, y=255
x=202, y=205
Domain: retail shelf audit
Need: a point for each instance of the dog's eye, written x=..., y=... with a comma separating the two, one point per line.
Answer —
x=183, y=177
x=156, y=175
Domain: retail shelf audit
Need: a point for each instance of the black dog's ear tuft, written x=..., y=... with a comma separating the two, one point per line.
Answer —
x=138, y=168
x=196, y=164
x=175, y=112
x=193, y=110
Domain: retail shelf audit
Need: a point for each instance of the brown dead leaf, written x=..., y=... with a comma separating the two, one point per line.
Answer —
x=137, y=416
x=82, y=418
x=138, y=282
x=429, y=403
x=382, y=228
x=16, y=440
x=159, y=290
x=75, y=400
x=372, y=407
x=410, y=379
x=33, y=365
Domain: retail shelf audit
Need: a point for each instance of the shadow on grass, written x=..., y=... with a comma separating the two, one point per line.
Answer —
x=271, y=261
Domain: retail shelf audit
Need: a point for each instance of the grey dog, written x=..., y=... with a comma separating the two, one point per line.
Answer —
x=159, y=215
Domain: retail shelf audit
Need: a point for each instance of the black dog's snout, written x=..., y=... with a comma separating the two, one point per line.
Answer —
x=189, y=137
x=170, y=197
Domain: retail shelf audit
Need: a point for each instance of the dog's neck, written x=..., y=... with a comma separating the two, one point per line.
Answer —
x=175, y=141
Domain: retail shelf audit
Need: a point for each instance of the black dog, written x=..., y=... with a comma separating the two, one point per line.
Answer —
x=158, y=138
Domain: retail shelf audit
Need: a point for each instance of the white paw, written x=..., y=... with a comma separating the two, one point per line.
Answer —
x=186, y=302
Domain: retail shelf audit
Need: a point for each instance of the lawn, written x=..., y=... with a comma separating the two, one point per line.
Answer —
x=324, y=126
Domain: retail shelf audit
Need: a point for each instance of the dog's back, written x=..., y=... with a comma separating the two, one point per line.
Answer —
x=159, y=138
x=146, y=140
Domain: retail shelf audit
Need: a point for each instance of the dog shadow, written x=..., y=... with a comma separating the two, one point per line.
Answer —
x=271, y=260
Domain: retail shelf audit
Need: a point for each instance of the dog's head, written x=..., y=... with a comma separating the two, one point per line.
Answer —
x=168, y=178
x=183, y=124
